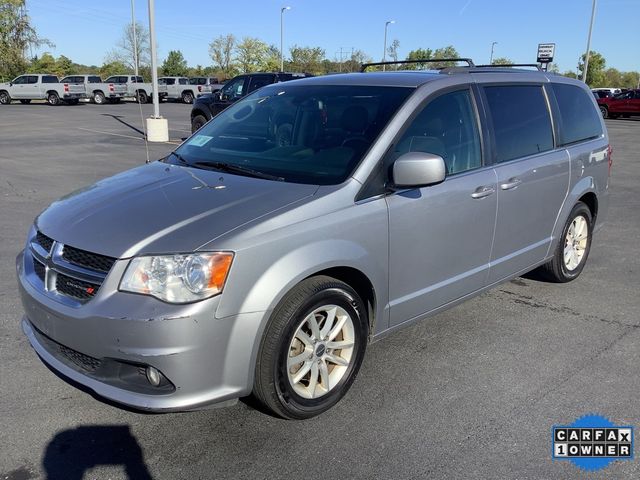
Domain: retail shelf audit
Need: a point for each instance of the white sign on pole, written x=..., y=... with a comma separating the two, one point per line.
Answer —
x=546, y=52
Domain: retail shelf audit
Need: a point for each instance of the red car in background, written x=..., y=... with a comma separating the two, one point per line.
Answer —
x=625, y=104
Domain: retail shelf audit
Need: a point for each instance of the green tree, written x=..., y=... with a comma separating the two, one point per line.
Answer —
x=175, y=65
x=64, y=66
x=629, y=80
x=272, y=59
x=17, y=36
x=570, y=74
x=113, y=68
x=445, y=52
x=418, y=54
x=595, y=72
x=307, y=59
x=46, y=63
x=251, y=54
x=221, y=51
x=502, y=61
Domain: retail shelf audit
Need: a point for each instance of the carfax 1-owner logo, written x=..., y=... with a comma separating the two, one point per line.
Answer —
x=592, y=442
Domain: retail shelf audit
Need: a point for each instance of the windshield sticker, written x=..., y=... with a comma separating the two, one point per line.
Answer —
x=199, y=140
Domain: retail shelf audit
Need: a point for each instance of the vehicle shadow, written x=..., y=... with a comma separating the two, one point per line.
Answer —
x=71, y=453
x=119, y=119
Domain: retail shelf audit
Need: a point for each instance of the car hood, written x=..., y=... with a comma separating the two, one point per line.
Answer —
x=163, y=208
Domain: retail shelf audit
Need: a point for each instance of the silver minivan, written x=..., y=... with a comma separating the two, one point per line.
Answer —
x=307, y=220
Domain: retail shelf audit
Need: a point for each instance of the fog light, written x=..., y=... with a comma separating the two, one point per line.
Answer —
x=153, y=376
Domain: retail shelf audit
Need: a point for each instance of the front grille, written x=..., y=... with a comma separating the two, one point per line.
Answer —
x=82, y=258
x=44, y=241
x=75, y=288
x=83, y=361
x=39, y=269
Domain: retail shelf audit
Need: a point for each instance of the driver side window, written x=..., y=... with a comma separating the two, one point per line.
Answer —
x=235, y=89
x=447, y=127
x=20, y=81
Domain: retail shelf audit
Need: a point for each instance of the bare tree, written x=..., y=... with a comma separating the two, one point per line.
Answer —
x=392, y=50
x=221, y=52
x=124, y=51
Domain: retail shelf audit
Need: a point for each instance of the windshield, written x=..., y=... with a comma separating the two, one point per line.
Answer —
x=315, y=134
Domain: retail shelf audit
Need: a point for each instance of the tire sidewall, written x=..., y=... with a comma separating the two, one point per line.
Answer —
x=99, y=98
x=53, y=99
x=194, y=126
x=187, y=98
x=5, y=98
x=604, y=111
x=579, y=210
x=297, y=406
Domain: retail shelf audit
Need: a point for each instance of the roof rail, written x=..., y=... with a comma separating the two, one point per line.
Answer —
x=512, y=65
x=426, y=60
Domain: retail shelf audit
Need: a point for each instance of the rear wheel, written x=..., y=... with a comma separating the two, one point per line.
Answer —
x=5, y=98
x=99, y=98
x=25, y=102
x=312, y=349
x=197, y=122
x=53, y=99
x=573, y=248
x=187, y=97
x=141, y=96
x=604, y=111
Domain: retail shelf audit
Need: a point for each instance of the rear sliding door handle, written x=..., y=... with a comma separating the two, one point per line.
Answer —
x=482, y=192
x=511, y=184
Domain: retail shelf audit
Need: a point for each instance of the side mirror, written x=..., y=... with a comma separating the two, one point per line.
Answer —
x=11, y=84
x=418, y=169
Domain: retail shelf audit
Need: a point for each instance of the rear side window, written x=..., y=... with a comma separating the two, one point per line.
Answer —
x=579, y=120
x=183, y=81
x=261, y=81
x=49, y=79
x=93, y=79
x=169, y=81
x=521, y=120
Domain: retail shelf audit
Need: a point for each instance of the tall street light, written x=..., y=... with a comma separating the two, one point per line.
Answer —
x=135, y=38
x=157, y=127
x=493, y=44
x=586, y=55
x=282, y=10
x=384, y=53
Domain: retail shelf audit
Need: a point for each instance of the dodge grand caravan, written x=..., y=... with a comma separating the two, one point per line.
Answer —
x=304, y=222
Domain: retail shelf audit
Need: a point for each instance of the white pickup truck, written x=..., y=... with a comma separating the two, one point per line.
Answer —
x=178, y=88
x=97, y=90
x=39, y=86
x=206, y=84
x=137, y=88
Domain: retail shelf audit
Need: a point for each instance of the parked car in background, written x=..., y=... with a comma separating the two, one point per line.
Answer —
x=179, y=88
x=97, y=90
x=206, y=84
x=624, y=104
x=601, y=93
x=241, y=265
x=39, y=86
x=208, y=106
x=137, y=88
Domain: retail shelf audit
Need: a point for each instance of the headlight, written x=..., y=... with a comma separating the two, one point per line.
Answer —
x=178, y=278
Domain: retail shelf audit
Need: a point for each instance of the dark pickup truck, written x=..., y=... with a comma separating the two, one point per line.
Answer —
x=624, y=104
x=208, y=106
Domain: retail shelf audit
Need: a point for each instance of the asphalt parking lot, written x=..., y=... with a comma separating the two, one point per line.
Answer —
x=471, y=393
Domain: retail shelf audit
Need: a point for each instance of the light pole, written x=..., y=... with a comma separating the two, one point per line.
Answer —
x=157, y=127
x=135, y=38
x=493, y=44
x=586, y=55
x=384, y=52
x=282, y=10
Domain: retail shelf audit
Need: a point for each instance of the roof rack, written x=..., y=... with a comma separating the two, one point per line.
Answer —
x=426, y=60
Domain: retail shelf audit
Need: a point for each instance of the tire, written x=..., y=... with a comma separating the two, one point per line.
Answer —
x=25, y=102
x=303, y=389
x=558, y=269
x=187, y=97
x=53, y=99
x=5, y=98
x=604, y=111
x=197, y=122
x=99, y=98
x=141, y=97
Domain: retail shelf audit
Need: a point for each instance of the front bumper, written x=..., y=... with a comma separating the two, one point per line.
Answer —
x=206, y=360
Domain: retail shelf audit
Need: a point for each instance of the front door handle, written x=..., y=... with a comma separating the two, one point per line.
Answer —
x=511, y=184
x=482, y=192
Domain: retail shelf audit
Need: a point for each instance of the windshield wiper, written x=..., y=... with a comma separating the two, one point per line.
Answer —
x=179, y=157
x=233, y=168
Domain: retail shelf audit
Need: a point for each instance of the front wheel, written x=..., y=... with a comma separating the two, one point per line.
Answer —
x=141, y=97
x=604, y=111
x=197, y=123
x=573, y=248
x=53, y=99
x=312, y=349
x=5, y=98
